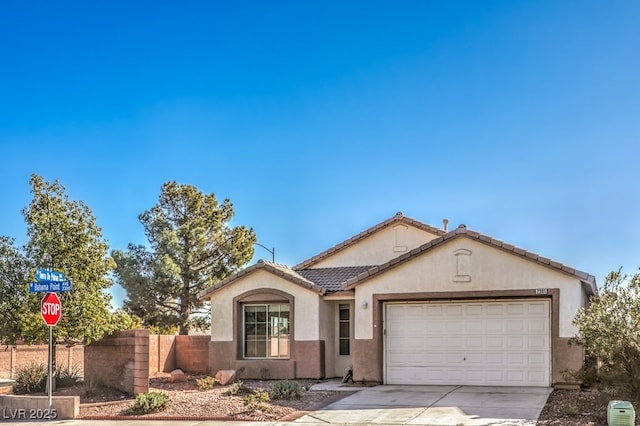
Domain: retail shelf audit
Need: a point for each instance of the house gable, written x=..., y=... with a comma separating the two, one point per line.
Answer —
x=461, y=255
x=466, y=268
x=273, y=268
x=378, y=244
x=260, y=286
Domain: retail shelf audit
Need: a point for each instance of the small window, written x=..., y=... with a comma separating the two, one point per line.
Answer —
x=344, y=329
x=266, y=331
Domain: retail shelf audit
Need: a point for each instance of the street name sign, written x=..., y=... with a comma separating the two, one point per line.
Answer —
x=49, y=286
x=46, y=275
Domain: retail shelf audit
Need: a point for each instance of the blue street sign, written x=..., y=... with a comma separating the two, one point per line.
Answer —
x=49, y=286
x=46, y=275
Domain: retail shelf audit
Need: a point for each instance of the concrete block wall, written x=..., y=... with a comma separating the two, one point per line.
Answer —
x=120, y=361
x=13, y=358
x=162, y=353
x=27, y=407
x=192, y=354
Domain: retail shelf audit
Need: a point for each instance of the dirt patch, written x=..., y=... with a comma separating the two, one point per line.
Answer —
x=188, y=401
x=584, y=407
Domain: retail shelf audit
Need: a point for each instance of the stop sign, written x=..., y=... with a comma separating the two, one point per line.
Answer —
x=51, y=309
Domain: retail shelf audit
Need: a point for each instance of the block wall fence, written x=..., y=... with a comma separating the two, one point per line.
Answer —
x=156, y=353
x=14, y=358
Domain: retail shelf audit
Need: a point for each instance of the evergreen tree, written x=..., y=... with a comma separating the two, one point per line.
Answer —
x=192, y=247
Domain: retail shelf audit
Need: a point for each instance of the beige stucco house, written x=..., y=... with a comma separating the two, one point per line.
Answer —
x=403, y=303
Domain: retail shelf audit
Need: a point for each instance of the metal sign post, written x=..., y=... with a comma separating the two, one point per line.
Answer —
x=50, y=390
x=51, y=311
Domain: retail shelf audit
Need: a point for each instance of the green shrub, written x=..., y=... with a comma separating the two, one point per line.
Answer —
x=608, y=332
x=32, y=378
x=238, y=388
x=285, y=389
x=150, y=402
x=205, y=383
x=68, y=376
x=257, y=400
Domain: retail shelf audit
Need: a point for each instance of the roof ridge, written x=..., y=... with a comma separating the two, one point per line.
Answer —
x=398, y=217
x=275, y=264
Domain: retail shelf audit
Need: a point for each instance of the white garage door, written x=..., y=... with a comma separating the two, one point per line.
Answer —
x=475, y=343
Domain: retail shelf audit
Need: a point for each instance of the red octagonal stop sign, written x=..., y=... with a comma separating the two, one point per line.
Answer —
x=51, y=309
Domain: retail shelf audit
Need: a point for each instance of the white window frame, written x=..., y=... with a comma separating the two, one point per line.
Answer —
x=269, y=335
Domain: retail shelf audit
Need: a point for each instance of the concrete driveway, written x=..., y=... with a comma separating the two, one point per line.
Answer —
x=435, y=405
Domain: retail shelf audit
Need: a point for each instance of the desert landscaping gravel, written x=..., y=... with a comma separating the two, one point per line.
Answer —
x=188, y=401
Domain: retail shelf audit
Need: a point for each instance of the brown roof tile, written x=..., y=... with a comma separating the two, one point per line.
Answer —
x=331, y=279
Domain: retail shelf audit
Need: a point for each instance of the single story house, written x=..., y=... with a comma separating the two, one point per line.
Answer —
x=403, y=303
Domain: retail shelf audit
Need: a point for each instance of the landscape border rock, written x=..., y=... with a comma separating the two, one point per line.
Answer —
x=225, y=377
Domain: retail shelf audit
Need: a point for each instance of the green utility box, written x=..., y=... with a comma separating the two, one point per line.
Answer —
x=621, y=413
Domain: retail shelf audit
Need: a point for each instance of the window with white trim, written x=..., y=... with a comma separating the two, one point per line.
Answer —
x=266, y=330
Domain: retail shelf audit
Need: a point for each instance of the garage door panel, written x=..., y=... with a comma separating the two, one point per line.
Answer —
x=474, y=358
x=495, y=341
x=536, y=359
x=455, y=341
x=494, y=358
x=539, y=308
x=535, y=326
x=515, y=342
x=455, y=326
x=536, y=375
x=475, y=326
x=479, y=343
x=433, y=342
x=536, y=342
x=515, y=326
x=495, y=309
x=474, y=342
x=452, y=310
x=515, y=358
x=494, y=325
x=474, y=310
x=434, y=325
x=433, y=310
x=516, y=309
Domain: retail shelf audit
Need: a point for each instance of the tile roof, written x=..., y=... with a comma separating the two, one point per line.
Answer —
x=275, y=268
x=588, y=281
x=397, y=218
x=331, y=279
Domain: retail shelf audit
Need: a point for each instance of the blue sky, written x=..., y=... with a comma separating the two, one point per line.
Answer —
x=319, y=119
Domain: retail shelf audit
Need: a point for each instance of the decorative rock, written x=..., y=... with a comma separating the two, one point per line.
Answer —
x=225, y=377
x=178, y=375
